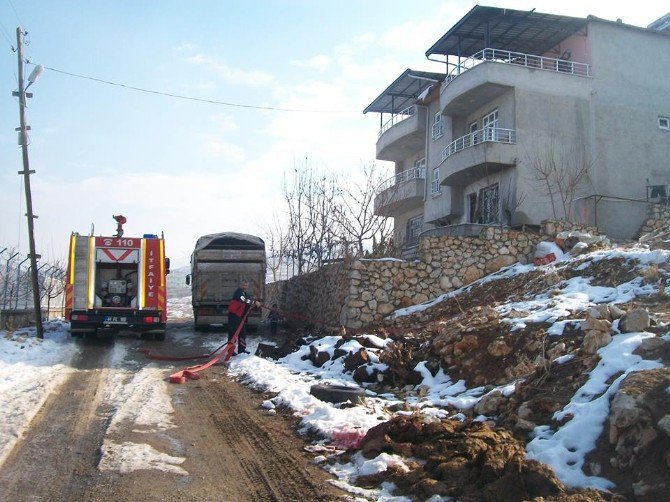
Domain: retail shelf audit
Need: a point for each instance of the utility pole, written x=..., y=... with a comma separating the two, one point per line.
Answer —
x=22, y=95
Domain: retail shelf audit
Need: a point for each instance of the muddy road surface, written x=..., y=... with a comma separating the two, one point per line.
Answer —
x=117, y=430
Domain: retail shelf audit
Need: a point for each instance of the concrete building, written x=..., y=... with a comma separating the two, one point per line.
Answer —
x=532, y=116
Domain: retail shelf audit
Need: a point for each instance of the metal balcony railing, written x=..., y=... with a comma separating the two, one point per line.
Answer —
x=488, y=134
x=410, y=174
x=518, y=59
x=397, y=118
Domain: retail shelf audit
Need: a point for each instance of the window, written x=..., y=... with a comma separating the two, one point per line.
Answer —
x=664, y=123
x=435, y=189
x=414, y=229
x=420, y=163
x=489, y=204
x=484, y=206
x=438, y=126
x=490, y=124
x=472, y=130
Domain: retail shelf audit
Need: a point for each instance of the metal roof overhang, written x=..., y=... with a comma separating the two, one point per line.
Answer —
x=403, y=92
x=528, y=32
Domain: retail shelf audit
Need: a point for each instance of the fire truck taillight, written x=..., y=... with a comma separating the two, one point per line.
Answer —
x=151, y=320
x=79, y=317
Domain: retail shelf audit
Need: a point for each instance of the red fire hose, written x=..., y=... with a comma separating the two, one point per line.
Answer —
x=225, y=354
x=192, y=371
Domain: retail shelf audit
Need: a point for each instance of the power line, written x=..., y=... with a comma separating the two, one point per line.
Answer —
x=15, y=13
x=5, y=34
x=191, y=98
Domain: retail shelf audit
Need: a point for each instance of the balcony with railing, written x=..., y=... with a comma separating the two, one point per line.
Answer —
x=484, y=151
x=400, y=193
x=403, y=135
x=491, y=72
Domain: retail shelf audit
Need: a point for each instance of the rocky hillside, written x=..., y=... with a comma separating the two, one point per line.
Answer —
x=537, y=381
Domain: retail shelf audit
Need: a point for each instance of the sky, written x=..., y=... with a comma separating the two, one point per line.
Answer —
x=189, y=168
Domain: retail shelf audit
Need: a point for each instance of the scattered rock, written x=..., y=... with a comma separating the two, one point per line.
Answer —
x=594, y=340
x=490, y=404
x=318, y=358
x=664, y=425
x=498, y=348
x=635, y=321
x=356, y=359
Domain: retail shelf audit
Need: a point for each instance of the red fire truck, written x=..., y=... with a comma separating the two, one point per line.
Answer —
x=117, y=284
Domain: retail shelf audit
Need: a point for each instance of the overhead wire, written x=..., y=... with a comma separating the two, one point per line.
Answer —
x=15, y=13
x=5, y=34
x=191, y=98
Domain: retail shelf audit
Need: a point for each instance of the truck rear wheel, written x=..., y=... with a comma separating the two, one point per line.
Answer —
x=159, y=336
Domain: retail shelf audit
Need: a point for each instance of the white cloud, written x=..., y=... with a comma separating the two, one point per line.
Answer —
x=320, y=63
x=216, y=148
x=255, y=78
x=224, y=123
x=413, y=37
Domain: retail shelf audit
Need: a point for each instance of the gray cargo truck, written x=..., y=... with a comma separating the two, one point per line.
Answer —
x=218, y=263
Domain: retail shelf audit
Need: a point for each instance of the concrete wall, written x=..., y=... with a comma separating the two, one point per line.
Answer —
x=631, y=89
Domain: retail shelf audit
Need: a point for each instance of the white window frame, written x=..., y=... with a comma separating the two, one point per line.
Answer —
x=435, y=188
x=472, y=130
x=664, y=123
x=438, y=126
x=489, y=124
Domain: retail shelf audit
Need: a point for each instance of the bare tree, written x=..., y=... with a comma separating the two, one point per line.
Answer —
x=356, y=213
x=511, y=200
x=560, y=173
x=312, y=237
x=276, y=247
x=295, y=193
x=52, y=283
x=323, y=207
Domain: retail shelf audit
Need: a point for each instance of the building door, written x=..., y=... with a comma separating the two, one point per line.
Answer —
x=490, y=124
x=473, y=133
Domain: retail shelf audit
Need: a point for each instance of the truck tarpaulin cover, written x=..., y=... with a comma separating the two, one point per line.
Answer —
x=229, y=240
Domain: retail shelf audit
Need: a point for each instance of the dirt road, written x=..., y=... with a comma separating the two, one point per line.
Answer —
x=116, y=431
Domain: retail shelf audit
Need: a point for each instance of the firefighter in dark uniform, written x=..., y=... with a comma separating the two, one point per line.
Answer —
x=239, y=304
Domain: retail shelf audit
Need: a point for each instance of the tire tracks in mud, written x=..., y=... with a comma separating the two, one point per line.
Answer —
x=57, y=457
x=233, y=451
x=260, y=456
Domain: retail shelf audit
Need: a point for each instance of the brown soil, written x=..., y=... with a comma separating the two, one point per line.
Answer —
x=467, y=460
x=233, y=450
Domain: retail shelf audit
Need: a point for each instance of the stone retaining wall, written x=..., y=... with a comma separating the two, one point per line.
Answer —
x=658, y=219
x=551, y=228
x=355, y=293
x=359, y=292
x=318, y=295
x=378, y=287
